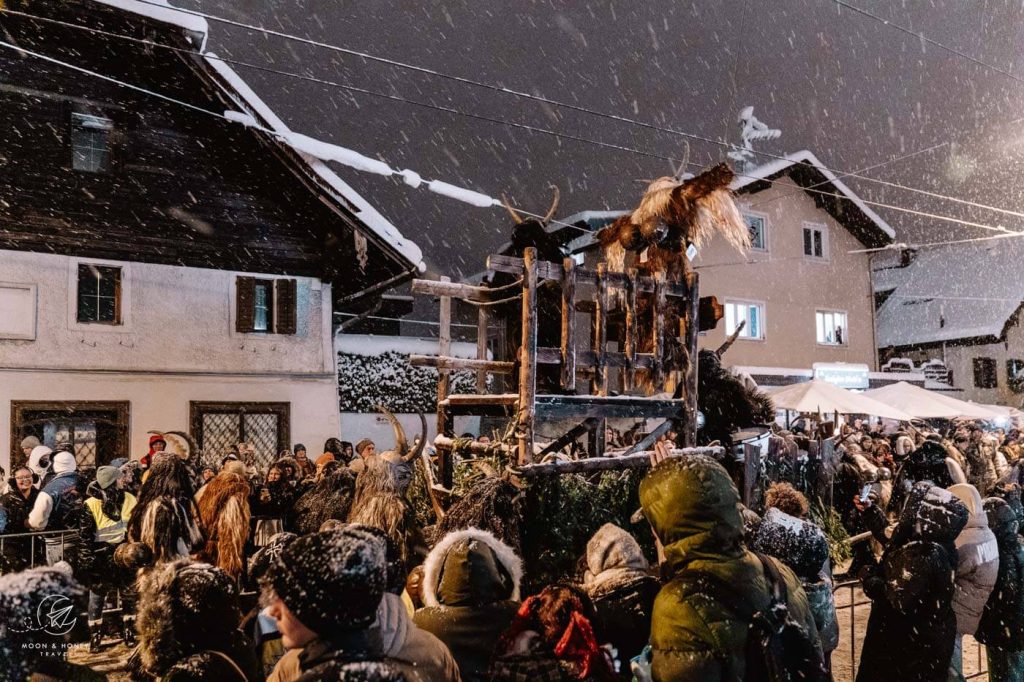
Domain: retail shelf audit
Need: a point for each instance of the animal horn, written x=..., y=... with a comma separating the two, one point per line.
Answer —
x=508, y=207
x=401, y=443
x=193, y=447
x=554, y=204
x=420, y=441
x=731, y=340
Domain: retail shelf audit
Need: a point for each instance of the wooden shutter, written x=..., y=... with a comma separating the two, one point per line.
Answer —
x=245, y=303
x=285, y=305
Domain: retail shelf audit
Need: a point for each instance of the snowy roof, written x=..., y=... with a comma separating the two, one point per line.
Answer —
x=248, y=101
x=804, y=159
x=375, y=344
x=949, y=293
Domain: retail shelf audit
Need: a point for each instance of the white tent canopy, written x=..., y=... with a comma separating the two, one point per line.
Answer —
x=821, y=396
x=925, y=404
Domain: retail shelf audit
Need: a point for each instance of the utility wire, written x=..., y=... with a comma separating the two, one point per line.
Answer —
x=497, y=88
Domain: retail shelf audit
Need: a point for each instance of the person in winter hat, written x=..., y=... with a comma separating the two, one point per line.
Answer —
x=324, y=591
x=785, y=534
x=40, y=461
x=103, y=528
x=619, y=583
x=912, y=628
x=552, y=639
x=26, y=648
x=470, y=594
x=306, y=468
x=258, y=623
x=1003, y=618
x=16, y=553
x=272, y=503
x=157, y=443
x=188, y=625
x=693, y=508
x=976, y=571
x=28, y=444
x=58, y=507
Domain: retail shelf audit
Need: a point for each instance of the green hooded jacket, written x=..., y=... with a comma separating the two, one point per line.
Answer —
x=692, y=505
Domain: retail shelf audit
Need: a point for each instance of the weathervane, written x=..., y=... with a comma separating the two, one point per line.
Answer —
x=751, y=130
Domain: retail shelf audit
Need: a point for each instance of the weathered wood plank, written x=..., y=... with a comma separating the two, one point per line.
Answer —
x=658, y=311
x=631, y=331
x=548, y=270
x=528, y=358
x=445, y=287
x=618, y=407
x=639, y=460
x=444, y=350
x=599, y=384
x=568, y=350
x=481, y=347
x=691, y=324
x=450, y=363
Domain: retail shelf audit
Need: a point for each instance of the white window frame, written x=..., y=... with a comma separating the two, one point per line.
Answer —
x=846, y=328
x=764, y=219
x=33, y=292
x=823, y=229
x=126, y=297
x=761, y=309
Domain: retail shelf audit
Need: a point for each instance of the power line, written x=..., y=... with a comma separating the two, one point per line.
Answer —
x=498, y=88
x=925, y=245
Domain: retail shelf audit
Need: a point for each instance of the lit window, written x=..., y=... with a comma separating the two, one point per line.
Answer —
x=263, y=311
x=756, y=225
x=99, y=294
x=831, y=327
x=815, y=241
x=90, y=143
x=752, y=314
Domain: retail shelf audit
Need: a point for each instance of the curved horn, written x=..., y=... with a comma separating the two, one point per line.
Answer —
x=508, y=207
x=554, y=203
x=420, y=442
x=731, y=339
x=193, y=447
x=401, y=443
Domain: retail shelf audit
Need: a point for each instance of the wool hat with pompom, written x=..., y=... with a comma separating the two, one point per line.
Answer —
x=332, y=581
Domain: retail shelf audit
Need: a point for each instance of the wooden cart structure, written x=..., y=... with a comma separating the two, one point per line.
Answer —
x=588, y=402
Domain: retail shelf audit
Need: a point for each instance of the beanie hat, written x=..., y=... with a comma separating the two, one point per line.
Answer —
x=299, y=447
x=333, y=582
x=324, y=459
x=107, y=476
x=64, y=462
x=119, y=462
x=394, y=567
x=30, y=442
x=361, y=445
x=269, y=553
x=233, y=466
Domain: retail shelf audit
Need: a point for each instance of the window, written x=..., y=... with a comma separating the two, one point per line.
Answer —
x=17, y=311
x=90, y=143
x=752, y=314
x=815, y=241
x=985, y=373
x=831, y=327
x=265, y=306
x=219, y=427
x=97, y=431
x=99, y=294
x=758, y=236
x=1015, y=375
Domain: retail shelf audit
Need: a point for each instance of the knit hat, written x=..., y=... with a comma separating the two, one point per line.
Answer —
x=299, y=447
x=107, y=476
x=324, y=459
x=361, y=445
x=119, y=462
x=64, y=462
x=333, y=582
x=269, y=553
x=394, y=566
x=30, y=442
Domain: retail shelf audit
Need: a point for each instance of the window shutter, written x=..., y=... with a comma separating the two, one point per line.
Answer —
x=245, y=303
x=285, y=306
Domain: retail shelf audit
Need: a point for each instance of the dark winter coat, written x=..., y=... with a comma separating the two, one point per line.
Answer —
x=622, y=591
x=354, y=658
x=926, y=463
x=94, y=562
x=1002, y=621
x=802, y=546
x=912, y=627
x=470, y=594
x=692, y=506
x=16, y=554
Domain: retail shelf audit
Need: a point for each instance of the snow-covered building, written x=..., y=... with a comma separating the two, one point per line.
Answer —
x=803, y=291
x=960, y=304
x=169, y=260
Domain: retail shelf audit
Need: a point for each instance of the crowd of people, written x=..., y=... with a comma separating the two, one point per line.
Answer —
x=317, y=569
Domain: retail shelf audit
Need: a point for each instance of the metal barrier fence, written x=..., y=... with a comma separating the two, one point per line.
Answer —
x=35, y=547
x=857, y=641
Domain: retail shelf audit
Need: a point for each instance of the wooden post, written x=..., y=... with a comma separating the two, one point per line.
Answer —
x=690, y=327
x=658, y=371
x=631, y=333
x=528, y=359
x=481, y=347
x=445, y=424
x=569, y=325
x=600, y=383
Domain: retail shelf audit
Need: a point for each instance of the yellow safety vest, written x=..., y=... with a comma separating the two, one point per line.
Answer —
x=107, y=529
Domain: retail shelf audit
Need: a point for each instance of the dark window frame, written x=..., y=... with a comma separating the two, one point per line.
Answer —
x=69, y=409
x=1015, y=375
x=117, y=298
x=986, y=372
x=86, y=128
x=281, y=303
x=198, y=408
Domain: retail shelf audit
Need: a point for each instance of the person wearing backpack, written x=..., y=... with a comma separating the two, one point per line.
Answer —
x=912, y=627
x=709, y=617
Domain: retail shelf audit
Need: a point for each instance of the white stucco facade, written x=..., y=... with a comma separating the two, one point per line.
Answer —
x=177, y=343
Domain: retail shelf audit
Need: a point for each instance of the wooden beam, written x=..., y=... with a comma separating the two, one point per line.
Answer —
x=569, y=436
x=445, y=287
x=618, y=407
x=659, y=331
x=444, y=422
x=548, y=270
x=691, y=326
x=631, y=332
x=481, y=347
x=450, y=363
x=649, y=439
x=568, y=350
x=528, y=359
x=600, y=342
x=475, y=447
x=638, y=460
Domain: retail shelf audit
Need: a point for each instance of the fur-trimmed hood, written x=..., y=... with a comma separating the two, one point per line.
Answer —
x=471, y=567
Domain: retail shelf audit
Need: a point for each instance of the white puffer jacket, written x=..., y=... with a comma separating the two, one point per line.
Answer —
x=977, y=562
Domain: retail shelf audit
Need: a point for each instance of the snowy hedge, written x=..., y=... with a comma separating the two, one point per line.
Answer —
x=389, y=380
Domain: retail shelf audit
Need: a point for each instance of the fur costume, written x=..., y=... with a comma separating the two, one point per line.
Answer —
x=492, y=504
x=726, y=402
x=394, y=515
x=329, y=498
x=224, y=515
x=164, y=517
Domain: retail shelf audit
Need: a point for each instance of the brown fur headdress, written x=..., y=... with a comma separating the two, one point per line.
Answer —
x=224, y=515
